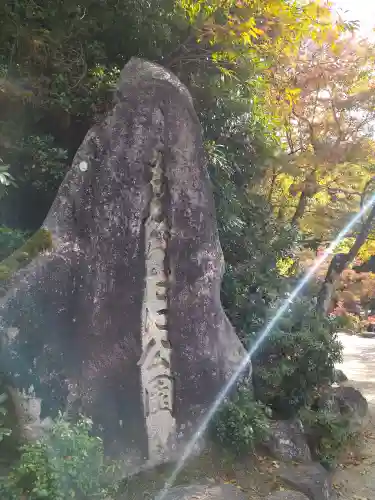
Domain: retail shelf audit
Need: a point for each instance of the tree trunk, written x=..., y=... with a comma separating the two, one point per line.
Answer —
x=300, y=210
x=339, y=263
x=366, y=312
x=273, y=181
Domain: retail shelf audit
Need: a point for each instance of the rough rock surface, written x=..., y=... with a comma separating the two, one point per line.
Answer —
x=287, y=495
x=339, y=376
x=121, y=318
x=205, y=492
x=286, y=441
x=310, y=479
x=348, y=402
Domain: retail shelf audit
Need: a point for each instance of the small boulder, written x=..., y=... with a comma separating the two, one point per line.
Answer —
x=339, y=377
x=287, y=495
x=349, y=403
x=204, y=492
x=286, y=441
x=310, y=479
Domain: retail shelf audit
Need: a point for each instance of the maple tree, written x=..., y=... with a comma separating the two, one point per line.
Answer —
x=356, y=289
x=237, y=36
x=328, y=153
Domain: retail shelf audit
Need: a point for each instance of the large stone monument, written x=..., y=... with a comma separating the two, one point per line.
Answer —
x=120, y=318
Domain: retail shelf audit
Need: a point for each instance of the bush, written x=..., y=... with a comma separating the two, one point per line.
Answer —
x=66, y=463
x=241, y=423
x=328, y=434
x=4, y=431
x=10, y=240
x=348, y=322
x=296, y=360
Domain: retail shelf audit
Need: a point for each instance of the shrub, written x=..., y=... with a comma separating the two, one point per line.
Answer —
x=328, y=434
x=354, y=323
x=295, y=360
x=241, y=423
x=4, y=431
x=10, y=240
x=348, y=322
x=68, y=462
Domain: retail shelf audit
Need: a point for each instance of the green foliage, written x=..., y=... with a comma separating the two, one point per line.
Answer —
x=57, y=48
x=251, y=239
x=6, y=178
x=43, y=163
x=241, y=423
x=348, y=322
x=59, y=62
x=296, y=359
x=10, y=240
x=67, y=463
x=4, y=431
x=329, y=433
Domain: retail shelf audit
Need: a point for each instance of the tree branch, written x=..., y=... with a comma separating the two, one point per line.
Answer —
x=341, y=262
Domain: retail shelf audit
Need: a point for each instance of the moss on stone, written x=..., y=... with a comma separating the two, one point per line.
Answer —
x=36, y=244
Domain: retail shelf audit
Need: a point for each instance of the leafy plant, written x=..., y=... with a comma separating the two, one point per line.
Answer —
x=241, y=423
x=4, y=431
x=296, y=359
x=348, y=322
x=328, y=432
x=10, y=240
x=66, y=463
x=6, y=179
x=251, y=239
x=41, y=162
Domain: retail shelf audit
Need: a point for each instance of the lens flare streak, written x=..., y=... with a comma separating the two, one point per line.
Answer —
x=262, y=336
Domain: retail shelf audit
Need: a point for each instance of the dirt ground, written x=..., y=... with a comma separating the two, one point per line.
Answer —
x=256, y=477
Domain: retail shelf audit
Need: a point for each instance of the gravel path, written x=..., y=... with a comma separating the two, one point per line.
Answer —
x=356, y=480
